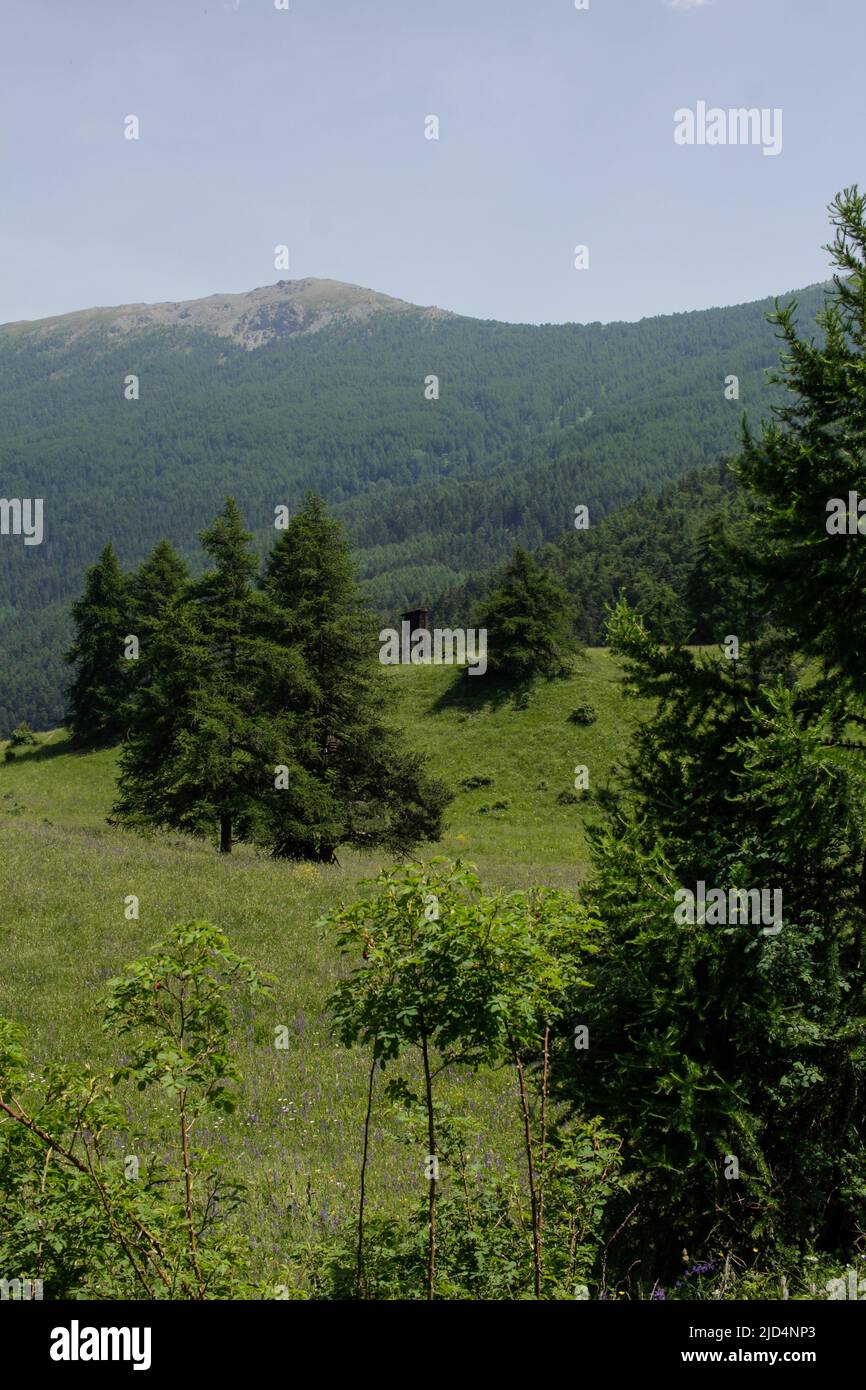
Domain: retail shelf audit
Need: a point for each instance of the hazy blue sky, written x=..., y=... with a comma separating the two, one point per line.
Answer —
x=261, y=127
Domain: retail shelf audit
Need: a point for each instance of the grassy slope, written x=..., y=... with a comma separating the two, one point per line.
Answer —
x=64, y=875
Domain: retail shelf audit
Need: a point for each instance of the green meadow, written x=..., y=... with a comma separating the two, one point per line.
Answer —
x=66, y=875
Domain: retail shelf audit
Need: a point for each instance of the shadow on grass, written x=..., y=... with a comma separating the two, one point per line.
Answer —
x=471, y=694
x=43, y=751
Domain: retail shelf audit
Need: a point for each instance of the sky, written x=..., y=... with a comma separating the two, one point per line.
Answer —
x=307, y=128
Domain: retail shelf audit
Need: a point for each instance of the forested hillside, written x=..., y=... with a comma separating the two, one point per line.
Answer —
x=661, y=551
x=529, y=422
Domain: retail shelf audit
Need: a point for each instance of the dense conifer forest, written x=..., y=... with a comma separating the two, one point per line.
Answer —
x=529, y=423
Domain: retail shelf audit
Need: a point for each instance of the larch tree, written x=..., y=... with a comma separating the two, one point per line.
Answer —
x=356, y=783
x=101, y=618
x=212, y=727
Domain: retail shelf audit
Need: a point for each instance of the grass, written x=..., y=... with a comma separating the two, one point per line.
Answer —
x=66, y=876
x=530, y=755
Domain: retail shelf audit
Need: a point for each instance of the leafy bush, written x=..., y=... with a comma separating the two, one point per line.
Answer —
x=476, y=980
x=483, y=1249
x=77, y=1211
x=23, y=736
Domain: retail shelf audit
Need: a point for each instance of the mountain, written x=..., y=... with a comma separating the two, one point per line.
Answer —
x=250, y=319
x=313, y=383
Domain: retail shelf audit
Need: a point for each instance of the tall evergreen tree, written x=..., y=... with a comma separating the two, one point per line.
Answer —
x=358, y=785
x=723, y=590
x=528, y=622
x=102, y=676
x=810, y=458
x=156, y=586
x=750, y=1041
x=211, y=722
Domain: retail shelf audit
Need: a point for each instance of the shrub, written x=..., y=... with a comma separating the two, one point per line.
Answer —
x=481, y=1244
x=476, y=980
x=23, y=736
x=79, y=1215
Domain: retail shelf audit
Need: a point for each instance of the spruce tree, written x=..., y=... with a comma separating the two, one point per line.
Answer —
x=211, y=721
x=101, y=618
x=527, y=617
x=358, y=785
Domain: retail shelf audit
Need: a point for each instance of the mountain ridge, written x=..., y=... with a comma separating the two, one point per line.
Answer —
x=317, y=301
x=250, y=318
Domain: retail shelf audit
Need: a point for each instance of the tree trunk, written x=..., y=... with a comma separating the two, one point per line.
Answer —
x=225, y=834
x=431, y=1141
x=545, y=1082
x=530, y=1164
x=860, y=931
x=359, y=1263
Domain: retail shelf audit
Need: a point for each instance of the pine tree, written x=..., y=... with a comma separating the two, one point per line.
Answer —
x=358, y=785
x=527, y=617
x=210, y=725
x=102, y=677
